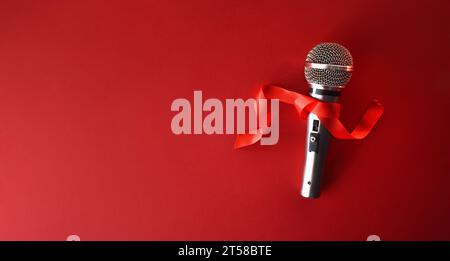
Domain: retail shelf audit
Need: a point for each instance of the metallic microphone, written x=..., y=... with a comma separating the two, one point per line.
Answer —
x=328, y=69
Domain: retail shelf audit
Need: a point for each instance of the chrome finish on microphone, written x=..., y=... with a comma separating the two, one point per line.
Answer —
x=315, y=93
x=346, y=68
x=317, y=140
x=318, y=137
x=326, y=87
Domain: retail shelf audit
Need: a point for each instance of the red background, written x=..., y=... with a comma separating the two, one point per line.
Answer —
x=85, y=140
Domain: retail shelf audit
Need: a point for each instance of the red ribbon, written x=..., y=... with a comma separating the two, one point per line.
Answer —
x=328, y=113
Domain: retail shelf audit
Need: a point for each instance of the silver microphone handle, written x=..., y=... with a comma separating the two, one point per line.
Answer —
x=317, y=139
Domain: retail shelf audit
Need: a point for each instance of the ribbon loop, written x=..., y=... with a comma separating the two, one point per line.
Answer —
x=328, y=113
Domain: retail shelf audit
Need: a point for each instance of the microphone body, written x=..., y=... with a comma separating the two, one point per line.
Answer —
x=317, y=140
x=328, y=69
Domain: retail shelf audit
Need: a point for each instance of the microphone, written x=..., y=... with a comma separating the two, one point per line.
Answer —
x=328, y=69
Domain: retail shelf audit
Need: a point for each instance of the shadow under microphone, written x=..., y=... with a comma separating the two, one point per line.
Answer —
x=328, y=68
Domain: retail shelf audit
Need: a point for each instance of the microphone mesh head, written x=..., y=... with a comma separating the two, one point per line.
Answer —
x=329, y=53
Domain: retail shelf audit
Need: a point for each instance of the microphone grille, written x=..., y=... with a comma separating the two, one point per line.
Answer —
x=333, y=54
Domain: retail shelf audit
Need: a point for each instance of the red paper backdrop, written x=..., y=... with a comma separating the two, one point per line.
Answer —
x=85, y=140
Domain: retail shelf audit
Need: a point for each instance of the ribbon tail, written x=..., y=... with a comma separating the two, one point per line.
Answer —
x=243, y=140
x=369, y=120
x=364, y=127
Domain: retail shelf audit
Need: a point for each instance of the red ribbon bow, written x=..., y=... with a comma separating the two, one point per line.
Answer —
x=328, y=113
